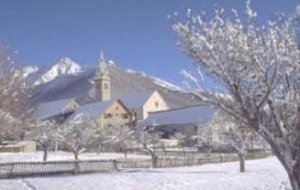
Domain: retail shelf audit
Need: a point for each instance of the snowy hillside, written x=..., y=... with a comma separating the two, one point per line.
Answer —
x=123, y=83
x=65, y=66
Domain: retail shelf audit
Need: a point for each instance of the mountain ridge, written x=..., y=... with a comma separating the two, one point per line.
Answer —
x=78, y=83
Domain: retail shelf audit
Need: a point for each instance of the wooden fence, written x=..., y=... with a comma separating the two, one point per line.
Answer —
x=19, y=169
x=188, y=159
x=25, y=169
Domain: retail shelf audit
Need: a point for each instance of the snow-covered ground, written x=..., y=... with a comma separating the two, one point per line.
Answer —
x=261, y=174
x=60, y=155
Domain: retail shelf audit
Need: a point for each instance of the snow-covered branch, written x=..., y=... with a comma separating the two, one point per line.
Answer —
x=258, y=69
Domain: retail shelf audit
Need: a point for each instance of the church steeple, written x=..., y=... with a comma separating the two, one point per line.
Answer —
x=102, y=80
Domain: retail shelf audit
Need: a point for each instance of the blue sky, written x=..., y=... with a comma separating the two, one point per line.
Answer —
x=134, y=33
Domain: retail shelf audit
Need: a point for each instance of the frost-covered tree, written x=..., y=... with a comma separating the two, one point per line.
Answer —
x=296, y=23
x=13, y=97
x=256, y=70
x=45, y=135
x=121, y=138
x=149, y=138
x=181, y=139
x=237, y=137
x=77, y=136
x=240, y=139
x=204, y=139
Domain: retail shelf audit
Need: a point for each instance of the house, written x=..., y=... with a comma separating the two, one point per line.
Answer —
x=141, y=104
x=107, y=113
x=185, y=120
x=57, y=110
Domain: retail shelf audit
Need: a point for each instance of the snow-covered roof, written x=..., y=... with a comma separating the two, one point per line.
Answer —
x=187, y=115
x=137, y=100
x=94, y=109
x=52, y=108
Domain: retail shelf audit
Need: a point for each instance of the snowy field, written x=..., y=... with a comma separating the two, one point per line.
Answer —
x=266, y=174
x=60, y=155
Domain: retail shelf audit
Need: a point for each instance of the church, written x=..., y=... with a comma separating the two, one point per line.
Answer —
x=104, y=110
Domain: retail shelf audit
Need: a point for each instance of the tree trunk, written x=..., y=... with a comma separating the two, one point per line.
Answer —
x=242, y=162
x=56, y=146
x=125, y=154
x=154, y=161
x=45, y=156
x=293, y=171
x=296, y=173
x=76, y=166
x=75, y=153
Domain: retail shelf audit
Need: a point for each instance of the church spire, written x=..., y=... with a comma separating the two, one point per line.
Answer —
x=102, y=79
x=102, y=67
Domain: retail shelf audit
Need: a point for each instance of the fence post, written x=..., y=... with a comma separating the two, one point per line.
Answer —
x=115, y=165
x=12, y=170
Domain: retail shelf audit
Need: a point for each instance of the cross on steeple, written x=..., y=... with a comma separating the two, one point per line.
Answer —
x=102, y=67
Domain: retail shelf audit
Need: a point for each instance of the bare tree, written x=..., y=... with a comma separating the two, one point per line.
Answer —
x=13, y=97
x=76, y=137
x=121, y=138
x=204, y=139
x=150, y=140
x=240, y=138
x=44, y=134
x=256, y=72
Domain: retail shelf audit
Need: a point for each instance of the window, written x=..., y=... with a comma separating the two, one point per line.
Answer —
x=125, y=116
x=117, y=107
x=117, y=115
x=108, y=115
x=105, y=86
x=156, y=104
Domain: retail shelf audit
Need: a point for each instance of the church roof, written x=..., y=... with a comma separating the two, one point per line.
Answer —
x=137, y=100
x=187, y=115
x=52, y=108
x=94, y=109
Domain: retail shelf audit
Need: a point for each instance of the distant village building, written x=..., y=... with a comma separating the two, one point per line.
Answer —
x=107, y=113
x=186, y=120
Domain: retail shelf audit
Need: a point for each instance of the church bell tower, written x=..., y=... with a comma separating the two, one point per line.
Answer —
x=102, y=80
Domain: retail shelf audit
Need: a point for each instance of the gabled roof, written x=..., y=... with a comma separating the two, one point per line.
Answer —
x=52, y=108
x=137, y=100
x=187, y=115
x=94, y=109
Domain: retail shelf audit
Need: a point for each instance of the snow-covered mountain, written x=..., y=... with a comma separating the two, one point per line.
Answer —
x=65, y=66
x=79, y=83
x=29, y=70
